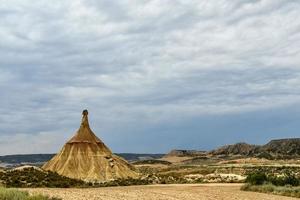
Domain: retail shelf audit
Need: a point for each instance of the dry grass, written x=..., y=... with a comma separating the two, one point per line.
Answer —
x=13, y=194
x=278, y=190
x=175, y=159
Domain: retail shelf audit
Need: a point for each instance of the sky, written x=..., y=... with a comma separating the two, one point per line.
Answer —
x=155, y=75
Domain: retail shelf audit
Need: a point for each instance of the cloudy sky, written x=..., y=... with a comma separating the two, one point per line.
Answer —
x=155, y=75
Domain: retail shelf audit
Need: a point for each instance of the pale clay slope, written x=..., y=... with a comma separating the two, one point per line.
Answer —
x=86, y=157
x=26, y=167
x=160, y=192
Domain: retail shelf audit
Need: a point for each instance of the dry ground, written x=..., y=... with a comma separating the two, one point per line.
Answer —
x=160, y=192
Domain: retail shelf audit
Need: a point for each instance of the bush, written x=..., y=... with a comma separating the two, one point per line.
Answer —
x=256, y=178
x=291, y=179
x=259, y=178
x=287, y=179
x=12, y=194
x=286, y=184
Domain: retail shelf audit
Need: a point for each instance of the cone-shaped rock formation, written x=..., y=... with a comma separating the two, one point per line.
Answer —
x=86, y=157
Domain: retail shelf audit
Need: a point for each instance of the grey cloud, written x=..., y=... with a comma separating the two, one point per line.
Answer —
x=143, y=62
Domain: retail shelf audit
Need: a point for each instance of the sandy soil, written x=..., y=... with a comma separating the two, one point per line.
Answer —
x=176, y=159
x=160, y=192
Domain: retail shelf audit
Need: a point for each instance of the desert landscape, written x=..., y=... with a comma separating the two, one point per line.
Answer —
x=86, y=169
x=149, y=99
x=160, y=192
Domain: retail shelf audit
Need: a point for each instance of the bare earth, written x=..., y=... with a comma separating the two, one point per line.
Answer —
x=159, y=192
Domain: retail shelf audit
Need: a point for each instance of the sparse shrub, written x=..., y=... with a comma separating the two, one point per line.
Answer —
x=31, y=177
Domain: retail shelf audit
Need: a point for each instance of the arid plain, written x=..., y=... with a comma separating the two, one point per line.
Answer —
x=159, y=192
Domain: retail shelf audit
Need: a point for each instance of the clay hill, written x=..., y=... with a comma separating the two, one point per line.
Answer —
x=236, y=149
x=87, y=158
x=275, y=149
x=284, y=148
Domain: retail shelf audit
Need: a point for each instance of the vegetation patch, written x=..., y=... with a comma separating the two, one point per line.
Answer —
x=12, y=194
x=31, y=177
x=286, y=184
x=122, y=182
x=272, y=189
x=151, y=162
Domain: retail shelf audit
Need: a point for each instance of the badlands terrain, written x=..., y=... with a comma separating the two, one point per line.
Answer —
x=180, y=174
x=160, y=192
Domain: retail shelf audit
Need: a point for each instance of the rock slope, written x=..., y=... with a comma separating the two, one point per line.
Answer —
x=87, y=158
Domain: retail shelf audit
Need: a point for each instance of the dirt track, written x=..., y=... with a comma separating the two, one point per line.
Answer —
x=160, y=192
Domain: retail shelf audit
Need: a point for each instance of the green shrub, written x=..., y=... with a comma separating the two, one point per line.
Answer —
x=259, y=178
x=291, y=179
x=287, y=178
x=256, y=178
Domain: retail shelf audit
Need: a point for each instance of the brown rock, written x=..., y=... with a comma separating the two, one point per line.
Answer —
x=86, y=157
